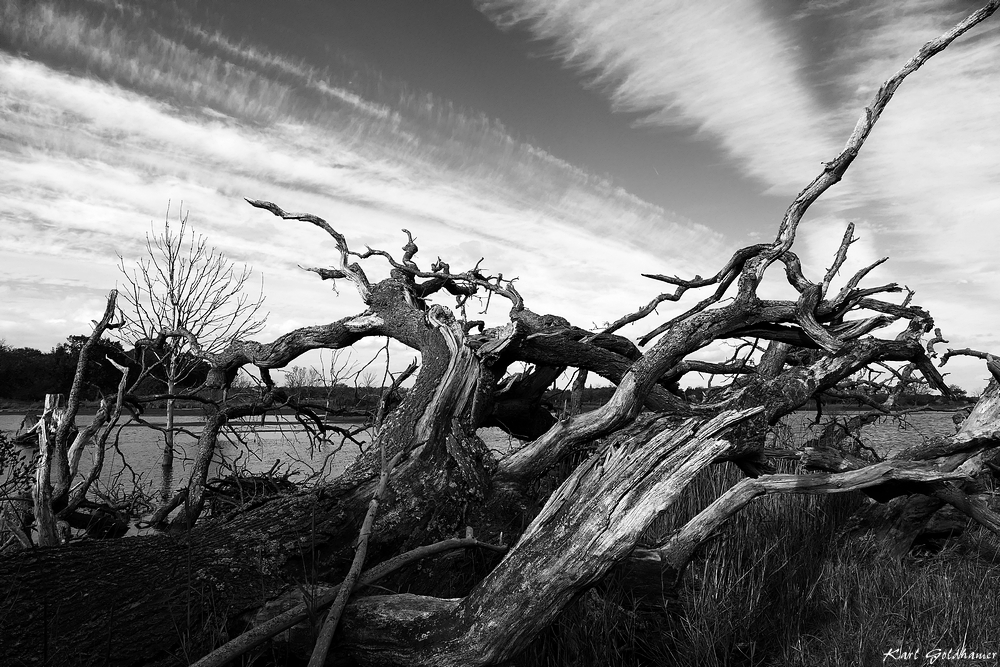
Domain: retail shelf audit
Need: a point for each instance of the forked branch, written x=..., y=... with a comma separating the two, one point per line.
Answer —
x=347, y=270
x=748, y=265
x=678, y=550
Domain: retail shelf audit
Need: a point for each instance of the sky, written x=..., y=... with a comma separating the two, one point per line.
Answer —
x=574, y=144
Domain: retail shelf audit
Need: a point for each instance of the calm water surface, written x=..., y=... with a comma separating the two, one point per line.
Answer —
x=884, y=436
x=256, y=447
x=252, y=447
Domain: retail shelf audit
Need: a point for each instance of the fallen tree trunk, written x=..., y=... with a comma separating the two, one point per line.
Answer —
x=166, y=600
x=155, y=600
x=590, y=523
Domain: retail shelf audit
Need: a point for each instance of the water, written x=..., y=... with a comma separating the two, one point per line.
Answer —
x=279, y=443
x=282, y=444
x=885, y=436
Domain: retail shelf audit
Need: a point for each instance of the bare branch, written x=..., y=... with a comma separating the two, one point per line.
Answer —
x=835, y=169
x=678, y=550
x=105, y=423
x=352, y=272
x=325, y=638
x=261, y=633
x=397, y=381
x=644, y=311
x=992, y=362
x=757, y=258
x=938, y=338
x=840, y=258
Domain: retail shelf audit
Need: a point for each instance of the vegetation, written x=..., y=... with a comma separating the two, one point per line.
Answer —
x=685, y=517
x=184, y=287
x=27, y=374
x=785, y=586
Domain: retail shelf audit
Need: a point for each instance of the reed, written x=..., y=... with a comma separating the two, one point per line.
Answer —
x=778, y=586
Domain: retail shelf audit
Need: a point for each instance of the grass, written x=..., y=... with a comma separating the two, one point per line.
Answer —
x=943, y=602
x=779, y=587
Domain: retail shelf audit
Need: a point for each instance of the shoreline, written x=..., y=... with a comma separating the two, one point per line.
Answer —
x=186, y=414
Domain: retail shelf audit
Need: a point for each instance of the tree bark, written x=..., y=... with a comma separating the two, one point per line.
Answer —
x=167, y=462
x=141, y=601
x=138, y=601
x=45, y=519
x=588, y=524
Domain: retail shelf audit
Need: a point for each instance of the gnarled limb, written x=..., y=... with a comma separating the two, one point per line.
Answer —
x=325, y=638
x=102, y=423
x=992, y=362
x=678, y=550
x=299, y=613
x=59, y=455
x=750, y=263
x=590, y=522
x=447, y=476
x=352, y=272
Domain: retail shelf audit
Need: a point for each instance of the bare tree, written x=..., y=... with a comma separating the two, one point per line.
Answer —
x=59, y=488
x=298, y=378
x=183, y=284
x=330, y=375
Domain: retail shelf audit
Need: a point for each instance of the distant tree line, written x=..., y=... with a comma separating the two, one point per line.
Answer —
x=591, y=398
x=340, y=397
x=27, y=374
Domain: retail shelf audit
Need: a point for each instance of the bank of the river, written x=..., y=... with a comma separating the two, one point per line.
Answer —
x=774, y=587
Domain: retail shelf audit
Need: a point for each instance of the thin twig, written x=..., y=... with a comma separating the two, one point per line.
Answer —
x=258, y=635
x=325, y=639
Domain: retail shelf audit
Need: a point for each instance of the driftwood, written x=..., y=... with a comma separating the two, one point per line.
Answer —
x=172, y=599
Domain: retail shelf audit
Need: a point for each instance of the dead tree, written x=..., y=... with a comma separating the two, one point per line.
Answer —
x=60, y=489
x=182, y=283
x=168, y=600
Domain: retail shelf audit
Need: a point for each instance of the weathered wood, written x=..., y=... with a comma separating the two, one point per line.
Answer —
x=45, y=520
x=681, y=546
x=203, y=570
x=268, y=622
x=589, y=523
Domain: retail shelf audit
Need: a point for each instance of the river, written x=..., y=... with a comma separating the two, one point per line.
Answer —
x=258, y=447
x=885, y=436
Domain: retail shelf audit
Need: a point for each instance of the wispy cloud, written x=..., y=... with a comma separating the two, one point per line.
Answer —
x=926, y=182
x=110, y=109
x=86, y=161
x=725, y=70
x=781, y=92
